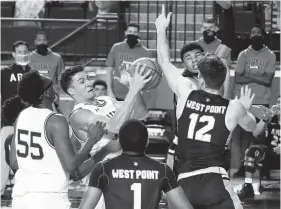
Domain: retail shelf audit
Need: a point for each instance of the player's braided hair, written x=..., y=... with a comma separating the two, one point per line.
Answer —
x=11, y=109
x=31, y=87
x=133, y=136
x=66, y=76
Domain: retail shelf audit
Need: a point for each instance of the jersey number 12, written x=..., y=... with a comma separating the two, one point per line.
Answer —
x=136, y=187
x=32, y=145
x=201, y=134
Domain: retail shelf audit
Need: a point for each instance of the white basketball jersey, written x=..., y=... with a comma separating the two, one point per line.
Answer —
x=40, y=169
x=102, y=106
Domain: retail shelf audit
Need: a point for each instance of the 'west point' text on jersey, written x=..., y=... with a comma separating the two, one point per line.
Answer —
x=205, y=108
x=134, y=174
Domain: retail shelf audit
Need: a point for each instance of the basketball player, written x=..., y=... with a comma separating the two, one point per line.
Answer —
x=41, y=149
x=88, y=108
x=205, y=120
x=131, y=179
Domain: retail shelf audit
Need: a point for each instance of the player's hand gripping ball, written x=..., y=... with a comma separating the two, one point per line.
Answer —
x=156, y=73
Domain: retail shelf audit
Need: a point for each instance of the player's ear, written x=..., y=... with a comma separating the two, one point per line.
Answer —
x=14, y=55
x=71, y=91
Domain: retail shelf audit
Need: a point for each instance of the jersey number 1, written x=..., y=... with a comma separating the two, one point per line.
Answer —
x=32, y=145
x=136, y=187
x=201, y=134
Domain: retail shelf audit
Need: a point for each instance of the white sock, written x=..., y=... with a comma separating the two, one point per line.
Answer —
x=248, y=180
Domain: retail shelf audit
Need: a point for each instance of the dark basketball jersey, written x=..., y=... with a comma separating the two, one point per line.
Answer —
x=132, y=182
x=202, y=132
x=273, y=133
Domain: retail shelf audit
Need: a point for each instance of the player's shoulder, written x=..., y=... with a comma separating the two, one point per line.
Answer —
x=156, y=164
x=56, y=119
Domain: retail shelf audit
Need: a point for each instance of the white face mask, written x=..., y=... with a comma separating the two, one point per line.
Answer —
x=22, y=60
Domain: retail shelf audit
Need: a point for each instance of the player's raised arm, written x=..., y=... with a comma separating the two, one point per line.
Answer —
x=136, y=84
x=172, y=74
x=57, y=129
x=176, y=197
x=238, y=112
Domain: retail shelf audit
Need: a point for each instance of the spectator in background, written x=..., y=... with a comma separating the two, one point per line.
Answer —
x=255, y=67
x=29, y=9
x=11, y=75
x=100, y=88
x=211, y=44
x=120, y=57
x=47, y=62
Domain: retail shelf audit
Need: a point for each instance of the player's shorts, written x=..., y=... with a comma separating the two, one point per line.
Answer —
x=42, y=201
x=207, y=191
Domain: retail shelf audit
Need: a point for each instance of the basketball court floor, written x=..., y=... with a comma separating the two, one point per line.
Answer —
x=268, y=199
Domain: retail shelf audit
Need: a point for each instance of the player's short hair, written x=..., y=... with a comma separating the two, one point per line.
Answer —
x=133, y=136
x=210, y=20
x=11, y=109
x=261, y=29
x=67, y=75
x=135, y=25
x=101, y=83
x=213, y=70
x=189, y=47
x=18, y=43
x=41, y=32
x=32, y=86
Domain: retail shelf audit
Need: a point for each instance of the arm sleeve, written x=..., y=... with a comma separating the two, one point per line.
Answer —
x=97, y=178
x=271, y=68
x=169, y=180
x=110, y=62
x=241, y=63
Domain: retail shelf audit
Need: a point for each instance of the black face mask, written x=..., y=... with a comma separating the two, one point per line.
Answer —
x=132, y=40
x=209, y=38
x=42, y=49
x=257, y=42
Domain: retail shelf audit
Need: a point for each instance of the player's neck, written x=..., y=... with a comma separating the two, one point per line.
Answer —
x=79, y=101
x=44, y=105
x=212, y=91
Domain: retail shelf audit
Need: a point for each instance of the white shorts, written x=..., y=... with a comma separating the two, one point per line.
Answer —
x=41, y=201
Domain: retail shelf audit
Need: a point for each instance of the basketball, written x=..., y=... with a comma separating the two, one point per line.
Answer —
x=150, y=65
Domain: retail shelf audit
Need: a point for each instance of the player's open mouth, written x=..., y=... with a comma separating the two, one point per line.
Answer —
x=90, y=90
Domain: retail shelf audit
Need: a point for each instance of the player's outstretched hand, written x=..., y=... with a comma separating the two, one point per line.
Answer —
x=96, y=131
x=245, y=97
x=277, y=149
x=141, y=77
x=162, y=22
x=275, y=109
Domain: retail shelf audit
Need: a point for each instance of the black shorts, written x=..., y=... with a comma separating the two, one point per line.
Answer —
x=207, y=191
